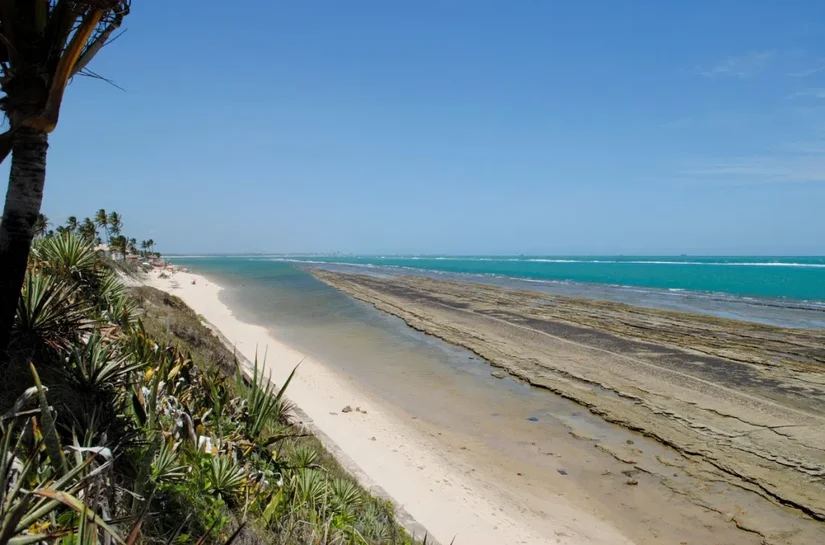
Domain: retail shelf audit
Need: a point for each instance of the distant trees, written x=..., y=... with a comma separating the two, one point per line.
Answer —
x=148, y=246
x=112, y=225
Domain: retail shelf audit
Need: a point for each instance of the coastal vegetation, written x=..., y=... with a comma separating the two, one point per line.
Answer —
x=126, y=420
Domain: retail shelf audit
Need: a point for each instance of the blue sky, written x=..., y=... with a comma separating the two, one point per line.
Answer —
x=455, y=127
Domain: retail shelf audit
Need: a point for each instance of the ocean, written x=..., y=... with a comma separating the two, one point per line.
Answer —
x=786, y=291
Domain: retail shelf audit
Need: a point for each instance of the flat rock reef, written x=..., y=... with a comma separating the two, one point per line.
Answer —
x=743, y=404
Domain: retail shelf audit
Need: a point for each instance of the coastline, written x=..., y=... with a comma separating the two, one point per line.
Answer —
x=436, y=488
x=739, y=412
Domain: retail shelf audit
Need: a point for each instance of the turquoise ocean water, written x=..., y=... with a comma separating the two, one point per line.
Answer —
x=800, y=278
x=787, y=291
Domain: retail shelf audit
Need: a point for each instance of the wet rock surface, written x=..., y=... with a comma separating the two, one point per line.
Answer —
x=741, y=404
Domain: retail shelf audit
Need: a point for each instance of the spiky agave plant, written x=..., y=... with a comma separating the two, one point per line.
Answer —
x=97, y=376
x=69, y=257
x=375, y=523
x=302, y=457
x=115, y=304
x=264, y=405
x=309, y=486
x=166, y=467
x=224, y=477
x=345, y=495
x=49, y=313
x=38, y=482
x=96, y=367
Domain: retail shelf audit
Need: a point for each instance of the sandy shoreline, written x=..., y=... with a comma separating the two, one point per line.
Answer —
x=437, y=489
x=739, y=403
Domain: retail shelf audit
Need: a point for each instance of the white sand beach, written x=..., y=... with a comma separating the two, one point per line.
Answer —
x=440, y=491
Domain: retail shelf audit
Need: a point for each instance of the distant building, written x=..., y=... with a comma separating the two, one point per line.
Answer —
x=103, y=249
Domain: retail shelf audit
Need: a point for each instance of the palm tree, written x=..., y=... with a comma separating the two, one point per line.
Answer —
x=102, y=221
x=44, y=43
x=132, y=246
x=41, y=225
x=115, y=223
x=71, y=223
x=151, y=243
x=87, y=230
x=120, y=244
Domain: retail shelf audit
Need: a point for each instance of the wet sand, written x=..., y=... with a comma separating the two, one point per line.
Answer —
x=736, y=408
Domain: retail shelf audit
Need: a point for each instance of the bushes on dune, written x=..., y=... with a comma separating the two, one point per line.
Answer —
x=134, y=424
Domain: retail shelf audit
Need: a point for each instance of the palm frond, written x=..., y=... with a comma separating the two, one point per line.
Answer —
x=44, y=44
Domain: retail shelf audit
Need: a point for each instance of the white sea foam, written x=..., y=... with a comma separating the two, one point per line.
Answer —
x=583, y=261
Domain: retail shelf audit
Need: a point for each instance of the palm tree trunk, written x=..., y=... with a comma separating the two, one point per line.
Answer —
x=25, y=193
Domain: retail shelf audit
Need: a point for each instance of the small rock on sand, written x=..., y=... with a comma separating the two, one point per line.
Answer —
x=346, y=409
x=631, y=482
x=499, y=374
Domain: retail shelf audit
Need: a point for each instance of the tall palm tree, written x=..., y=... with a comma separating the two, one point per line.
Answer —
x=71, y=223
x=132, y=246
x=44, y=43
x=87, y=230
x=120, y=245
x=151, y=243
x=102, y=221
x=41, y=225
x=115, y=223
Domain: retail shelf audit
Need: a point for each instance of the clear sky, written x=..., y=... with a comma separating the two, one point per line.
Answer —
x=454, y=127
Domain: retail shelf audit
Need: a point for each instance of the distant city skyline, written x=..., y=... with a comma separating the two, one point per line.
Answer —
x=455, y=128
